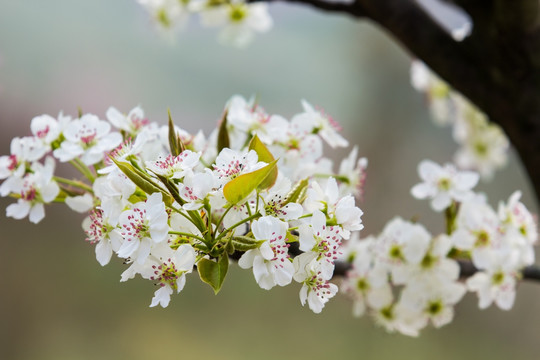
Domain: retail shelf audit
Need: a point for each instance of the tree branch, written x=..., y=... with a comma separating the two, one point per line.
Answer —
x=467, y=269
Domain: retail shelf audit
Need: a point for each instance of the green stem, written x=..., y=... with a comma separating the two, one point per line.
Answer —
x=222, y=217
x=83, y=169
x=74, y=183
x=226, y=231
x=451, y=216
x=187, y=235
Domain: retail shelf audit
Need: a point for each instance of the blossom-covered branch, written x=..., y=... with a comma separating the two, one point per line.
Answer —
x=260, y=190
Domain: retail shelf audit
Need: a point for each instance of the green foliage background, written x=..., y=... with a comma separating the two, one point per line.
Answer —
x=58, y=303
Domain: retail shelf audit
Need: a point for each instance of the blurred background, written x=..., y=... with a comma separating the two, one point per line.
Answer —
x=57, y=302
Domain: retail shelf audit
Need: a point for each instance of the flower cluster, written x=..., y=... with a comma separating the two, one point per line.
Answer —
x=164, y=200
x=483, y=145
x=239, y=21
x=406, y=260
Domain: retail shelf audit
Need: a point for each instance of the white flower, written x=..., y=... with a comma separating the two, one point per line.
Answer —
x=174, y=167
x=497, y=283
x=477, y=231
x=196, y=188
x=80, y=204
x=270, y=262
x=100, y=229
x=88, y=138
x=169, y=272
x=352, y=174
x=348, y=216
x=400, y=245
x=365, y=283
x=438, y=92
x=321, y=124
x=230, y=164
x=515, y=215
x=435, y=265
x=35, y=189
x=484, y=147
x=322, y=240
x=45, y=128
x=168, y=14
x=240, y=21
x=132, y=123
x=433, y=300
x=443, y=184
x=316, y=290
x=142, y=226
x=276, y=201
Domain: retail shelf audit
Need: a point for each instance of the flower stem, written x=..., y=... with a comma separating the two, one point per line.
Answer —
x=74, y=183
x=187, y=235
x=83, y=169
x=226, y=231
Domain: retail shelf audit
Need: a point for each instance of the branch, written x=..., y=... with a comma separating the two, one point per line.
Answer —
x=467, y=269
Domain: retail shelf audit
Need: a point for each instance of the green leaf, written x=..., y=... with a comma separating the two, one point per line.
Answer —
x=142, y=181
x=223, y=134
x=175, y=143
x=297, y=194
x=239, y=188
x=172, y=187
x=213, y=273
x=245, y=243
x=291, y=237
x=266, y=156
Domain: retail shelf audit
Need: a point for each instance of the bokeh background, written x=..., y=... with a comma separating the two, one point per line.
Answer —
x=57, y=302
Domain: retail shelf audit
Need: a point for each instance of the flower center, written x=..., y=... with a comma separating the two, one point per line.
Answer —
x=238, y=13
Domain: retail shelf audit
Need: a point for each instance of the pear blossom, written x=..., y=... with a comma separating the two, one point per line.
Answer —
x=238, y=19
x=477, y=231
x=142, y=226
x=133, y=123
x=484, y=148
x=100, y=229
x=497, y=283
x=320, y=123
x=230, y=164
x=276, y=202
x=168, y=14
x=45, y=128
x=196, y=188
x=433, y=300
x=321, y=240
x=35, y=190
x=88, y=138
x=400, y=245
x=352, y=174
x=365, y=283
x=270, y=262
x=169, y=272
x=174, y=167
x=81, y=203
x=443, y=184
x=316, y=289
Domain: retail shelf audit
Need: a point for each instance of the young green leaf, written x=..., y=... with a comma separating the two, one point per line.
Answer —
x=297, y=194
x=213, y=273
x=175, y=143
x=142, y=181
x=240, y=187
x=266, y=156
x=223, y=134
x=244, y=243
